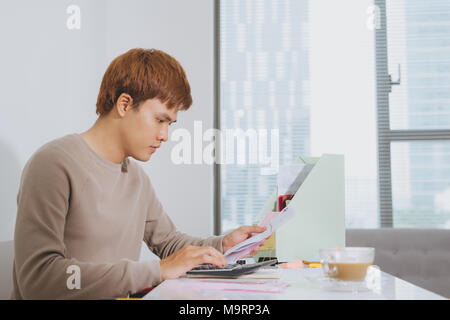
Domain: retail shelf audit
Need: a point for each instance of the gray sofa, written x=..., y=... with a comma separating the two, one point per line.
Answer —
x=419, y=256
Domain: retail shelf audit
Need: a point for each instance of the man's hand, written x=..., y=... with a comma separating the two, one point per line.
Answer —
x=239, y=235
x=187, y=258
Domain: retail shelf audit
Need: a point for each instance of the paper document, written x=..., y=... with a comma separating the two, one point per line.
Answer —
x=264, y=286
x=242, y=253
x=275, y=221
x=298, y=181
x=286, y=176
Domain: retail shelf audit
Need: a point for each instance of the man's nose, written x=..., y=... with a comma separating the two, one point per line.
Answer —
x=163, y=135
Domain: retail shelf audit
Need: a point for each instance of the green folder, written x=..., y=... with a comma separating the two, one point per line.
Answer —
x=319, y=220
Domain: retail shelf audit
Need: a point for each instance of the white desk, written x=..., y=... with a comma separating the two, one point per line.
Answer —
x=304, y=284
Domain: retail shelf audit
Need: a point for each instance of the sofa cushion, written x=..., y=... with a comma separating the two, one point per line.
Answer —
x=419, y=256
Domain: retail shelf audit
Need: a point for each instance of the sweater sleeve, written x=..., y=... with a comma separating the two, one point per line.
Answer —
x=42, y=269
x=161, y=235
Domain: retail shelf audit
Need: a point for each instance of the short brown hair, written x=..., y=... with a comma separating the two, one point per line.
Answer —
x=144, y=74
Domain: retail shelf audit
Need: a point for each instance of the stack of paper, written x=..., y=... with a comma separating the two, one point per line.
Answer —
x=272, y=222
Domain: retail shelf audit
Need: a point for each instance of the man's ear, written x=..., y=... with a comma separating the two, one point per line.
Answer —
x=123, y=104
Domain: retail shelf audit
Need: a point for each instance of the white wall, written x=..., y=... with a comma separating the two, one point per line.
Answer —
x=50, y=80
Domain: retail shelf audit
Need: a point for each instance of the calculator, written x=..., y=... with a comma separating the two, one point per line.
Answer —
x=230, y=270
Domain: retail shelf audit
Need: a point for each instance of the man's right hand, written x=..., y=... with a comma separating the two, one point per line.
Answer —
x=187, y=258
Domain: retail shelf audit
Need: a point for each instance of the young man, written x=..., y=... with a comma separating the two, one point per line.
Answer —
x=84, y=208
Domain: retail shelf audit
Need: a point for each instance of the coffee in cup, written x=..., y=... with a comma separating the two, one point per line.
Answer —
x=349, y=263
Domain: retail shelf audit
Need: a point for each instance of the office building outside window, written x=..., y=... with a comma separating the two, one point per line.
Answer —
x=312, y=71
x=263, y=88
x=418, y=46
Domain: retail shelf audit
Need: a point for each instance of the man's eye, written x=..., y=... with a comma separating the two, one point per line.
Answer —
x=160, y=121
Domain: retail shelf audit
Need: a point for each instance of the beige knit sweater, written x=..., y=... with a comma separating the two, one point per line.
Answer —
x=81, y=215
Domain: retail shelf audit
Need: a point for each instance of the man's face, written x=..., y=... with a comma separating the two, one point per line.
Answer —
x=146, y=127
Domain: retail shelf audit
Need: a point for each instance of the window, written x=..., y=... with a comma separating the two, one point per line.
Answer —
x=421, y=184
x=286, y=65
x=263, y=90
x=325, y=76
x=413, y=94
